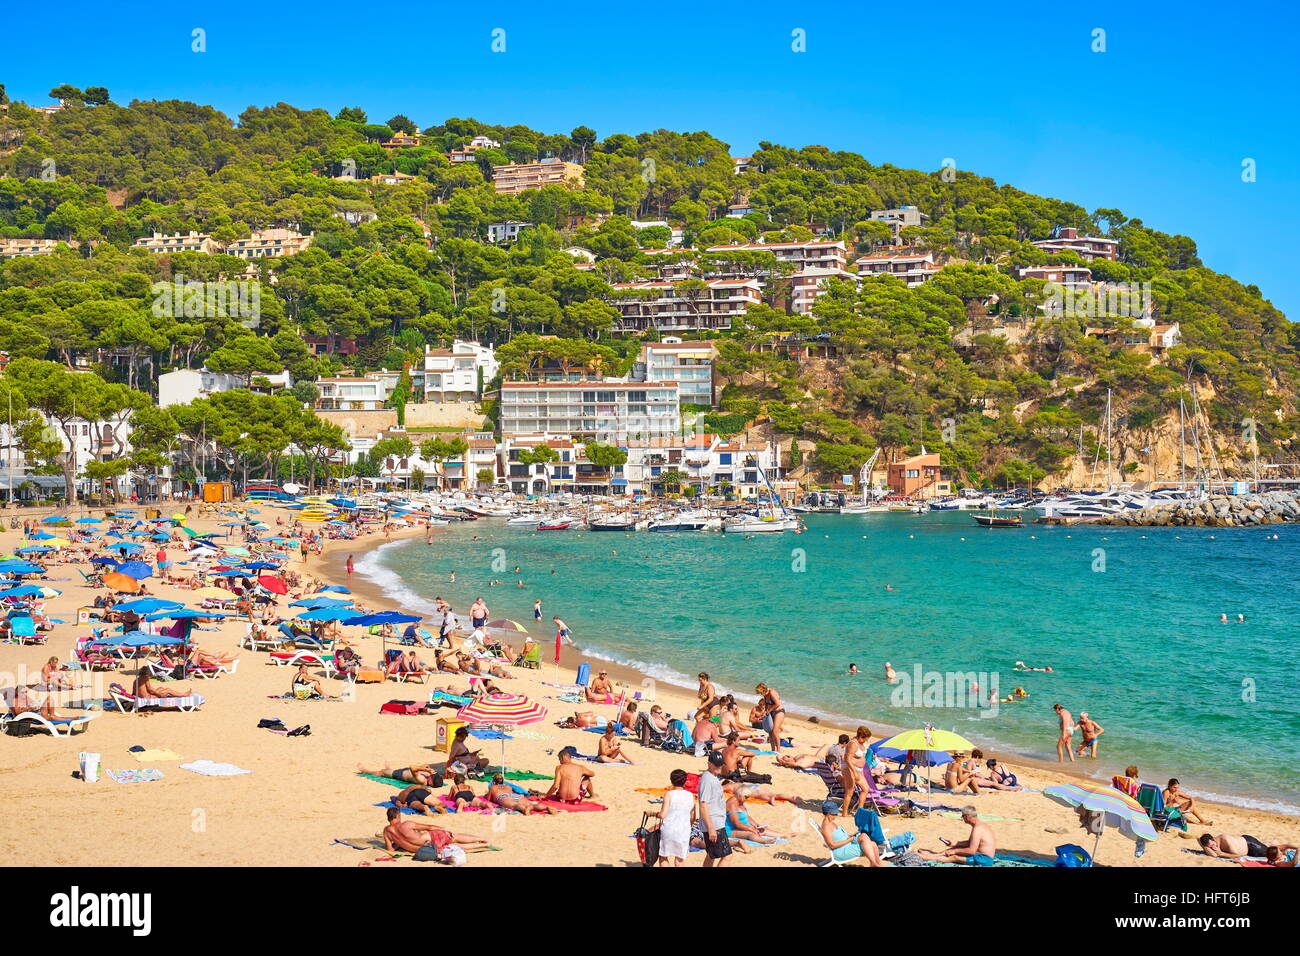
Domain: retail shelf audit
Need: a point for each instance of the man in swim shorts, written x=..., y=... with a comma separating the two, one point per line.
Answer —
x=410, y=836
x=1063, y=742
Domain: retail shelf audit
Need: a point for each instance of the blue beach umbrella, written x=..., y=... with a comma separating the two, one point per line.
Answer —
x=182, y=614
x=383, y=617
x=315, y=602
x=135, y=569
x=147, y=605
x=126, y=547
x=54, y=519
x=20, y=567
x=23, y=590
x=89, y=520
x=34, y=549
x=326, y=614
x=139, y=639
x=334, y=587
x=41, y=535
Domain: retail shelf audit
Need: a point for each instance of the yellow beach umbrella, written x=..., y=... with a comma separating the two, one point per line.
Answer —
x=215, y=594
x=57, y=542
x=927, y=738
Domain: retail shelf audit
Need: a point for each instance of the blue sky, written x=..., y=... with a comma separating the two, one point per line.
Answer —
x=1158, y=125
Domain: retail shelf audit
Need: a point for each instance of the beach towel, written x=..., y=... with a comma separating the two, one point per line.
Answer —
x=488, y=734
x=135, y=775
x=212, y=768
x=145, y=756
x=583, y=806
x=442, y=697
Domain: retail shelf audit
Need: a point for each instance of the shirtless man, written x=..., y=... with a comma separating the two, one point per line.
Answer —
x=978, y=849
x=1227, y=847
x=728, y=716
x=600, y=689
x=1174, y=797
x=735, y=759
x=572, y=783
x=611, y=751
x=1063, y=742
x=504, y=795
x=1090, y=730
x=802, y=761
x=704, y=732
x=410, y=836
x=145, y=686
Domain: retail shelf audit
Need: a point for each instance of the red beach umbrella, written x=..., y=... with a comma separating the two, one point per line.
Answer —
x=273, y=584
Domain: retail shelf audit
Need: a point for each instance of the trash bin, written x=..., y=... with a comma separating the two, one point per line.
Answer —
x=444, y=733
x=152, y=513
x=89, y=767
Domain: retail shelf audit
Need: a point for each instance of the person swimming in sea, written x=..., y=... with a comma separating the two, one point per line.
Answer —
x=1022, y=666
x=890, y=676
x=853, y=669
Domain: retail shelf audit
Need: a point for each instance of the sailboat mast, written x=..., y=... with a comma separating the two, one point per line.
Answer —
x=1108, y=479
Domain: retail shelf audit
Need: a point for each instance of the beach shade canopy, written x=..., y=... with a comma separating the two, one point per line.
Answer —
x=122, y=582
x=326, y=614
x=135, y=569
x=215, y=594
x=147, y=605
x=29, y=590
x=139, y=639
x=34, y=549
x=318, y=601
x=89, y=520
x=383, y=617
x=503, y=710
x=41, y=535
x=103, y=559
x=20, y=567
x=273, y=584
x=334, y=587
x=927, y=738
x=1118, y=809
x=261, y=566
x=54, y=519
x=505, y=624
x=183, y=613
x=57, y=541
x=126, y=547
x=917, y=758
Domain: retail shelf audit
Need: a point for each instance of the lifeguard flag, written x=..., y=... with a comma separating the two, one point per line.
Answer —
x=559, y=639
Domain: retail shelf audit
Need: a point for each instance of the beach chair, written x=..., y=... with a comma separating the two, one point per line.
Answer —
x=294, y=658
x=22, y=630
x=1153, y=802
x=875, y=798
x=58, y=727
x=533, y=659
x=420, y=677
x=158, y=670
x=85, y=654
x=129, y=703
x=254, y=643
x=835, y=784
x=211, y=671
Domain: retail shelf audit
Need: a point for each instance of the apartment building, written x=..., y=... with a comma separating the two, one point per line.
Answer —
x=705, y=462
x=269, y=244
x=466, y=153
x=1068, y=277
x=689, y=364
x=508, y=231
x=807, y=287
x=452, y=375
x=1067, y=239
x=670, y=307
x=913, y=268
x=542, y=477
x=12, y=248
x=517, y=177
x=603, y=410
x=917, y=476
x=401, y=141
x=352, y=393
x=1141, y=334
x=178, y=242
x=815, y=254
x=899, y=219
x=184, y=385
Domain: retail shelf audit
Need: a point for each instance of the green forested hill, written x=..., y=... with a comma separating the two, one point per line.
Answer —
x=1014, y=408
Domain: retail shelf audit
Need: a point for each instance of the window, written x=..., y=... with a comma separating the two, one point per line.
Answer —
x=724, y=458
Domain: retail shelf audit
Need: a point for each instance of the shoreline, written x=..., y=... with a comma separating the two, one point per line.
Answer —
x=331, y=565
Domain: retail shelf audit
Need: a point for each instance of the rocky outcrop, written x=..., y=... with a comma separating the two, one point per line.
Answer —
x=1216, y=511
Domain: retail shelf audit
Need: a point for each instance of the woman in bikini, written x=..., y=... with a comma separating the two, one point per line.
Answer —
x=420, y=799
x=465, y=798
x=423, y=774
x=504, y=795
x=773, y=714
x=853, y=767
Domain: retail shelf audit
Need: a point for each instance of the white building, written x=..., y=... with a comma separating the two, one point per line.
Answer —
x=353, y=393
x=1067, y=239
x=807, y=286
x=178, y=242
x=452, y=375
x=689, y=364
x=268, y=244
x=672, y=308
x=705, y=461
x=608, y=411
x=507, y=231
x=913, y=268
x=186, y=384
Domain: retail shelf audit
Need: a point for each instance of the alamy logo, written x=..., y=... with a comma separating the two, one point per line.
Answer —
x=76, y=909
x=1124, y=299
x=966, y=690
x=179, y=299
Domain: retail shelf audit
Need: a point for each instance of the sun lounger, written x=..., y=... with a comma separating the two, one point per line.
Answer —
x=1153, y=802
x=294, y=658
x=129, y=703
x=58, y=727
x=212, y=671
x=22, y=630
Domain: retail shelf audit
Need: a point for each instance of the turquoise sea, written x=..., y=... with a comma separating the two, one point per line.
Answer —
x=1129, y=619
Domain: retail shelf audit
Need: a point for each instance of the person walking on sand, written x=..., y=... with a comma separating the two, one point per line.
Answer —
x=349, y=565
x=1063, y=741
x=773, y=714
x=1090, y=730
x=712, y=813
x=676, y=814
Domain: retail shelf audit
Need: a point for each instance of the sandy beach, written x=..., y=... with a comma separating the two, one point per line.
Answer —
x=303, y=793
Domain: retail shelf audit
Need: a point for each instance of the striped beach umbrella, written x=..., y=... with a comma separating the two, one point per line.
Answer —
x=502, y=710
x=1118, y=809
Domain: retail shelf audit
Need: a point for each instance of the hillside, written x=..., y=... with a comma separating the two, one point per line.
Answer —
x=968, y=362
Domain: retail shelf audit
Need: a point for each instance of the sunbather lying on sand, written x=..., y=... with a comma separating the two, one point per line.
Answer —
x=803, y=761
x=1230, y=847
x=422, y=774
x=410, y=836
x=504, y=795
x=420, y=799
x=459, y=790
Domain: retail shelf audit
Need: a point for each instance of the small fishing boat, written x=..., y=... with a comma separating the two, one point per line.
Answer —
x=999, y=521
x=554, y=525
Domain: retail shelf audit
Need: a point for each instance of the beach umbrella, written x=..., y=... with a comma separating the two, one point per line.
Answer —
x=334, y=587
x=273, y=584
x=502, y=710
x=383, y=617
x=54, y=519
x=183, y=613
x=215, y=594
x=103, y=559
x=927, y=738
x=315, y=602
x=1118, y=809
x=121, y=582
x=126, y=547
x=135, y=569
x=326, y=614
x=20, y=567
x=28, y=590
x=918, y=758
x=40, y=535
x=261, y=566
x=505, y=624
x=139, y=639
x=34, y=549
x=89, y=520
x=147, y=605
x=58, y=542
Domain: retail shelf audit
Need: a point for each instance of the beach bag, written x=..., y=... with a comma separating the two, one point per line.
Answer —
x=1071, y=854
x=406, y=707
x=692, y=783
x=584, y=674
x=647, y=842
